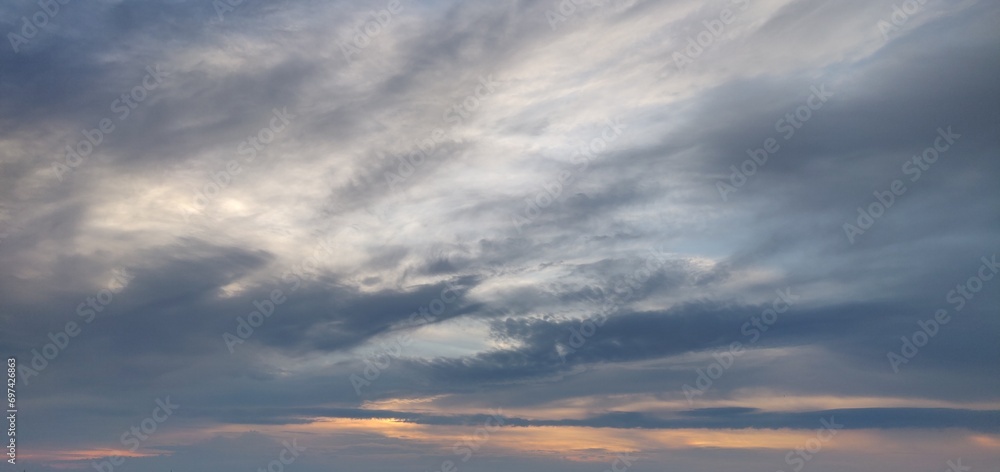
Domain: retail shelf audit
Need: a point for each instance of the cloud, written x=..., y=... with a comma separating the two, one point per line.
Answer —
x=514, y=178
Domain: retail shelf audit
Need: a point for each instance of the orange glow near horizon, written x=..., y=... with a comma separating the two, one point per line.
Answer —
x=988, y=442
x=572, y=443
x=583, y=407
x=84, y=454
x=583, y=442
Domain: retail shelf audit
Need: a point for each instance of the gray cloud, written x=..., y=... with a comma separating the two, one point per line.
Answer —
x=315, y=215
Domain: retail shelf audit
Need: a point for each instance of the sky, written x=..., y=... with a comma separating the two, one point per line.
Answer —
x=515, y=235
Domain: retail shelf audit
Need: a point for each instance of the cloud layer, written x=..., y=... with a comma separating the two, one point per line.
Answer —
x=690, y=232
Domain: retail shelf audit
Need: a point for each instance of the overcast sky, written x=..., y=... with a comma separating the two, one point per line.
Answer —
x=435, y=235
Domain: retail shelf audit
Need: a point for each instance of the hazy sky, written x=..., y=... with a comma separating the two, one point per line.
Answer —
x=429, y=235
